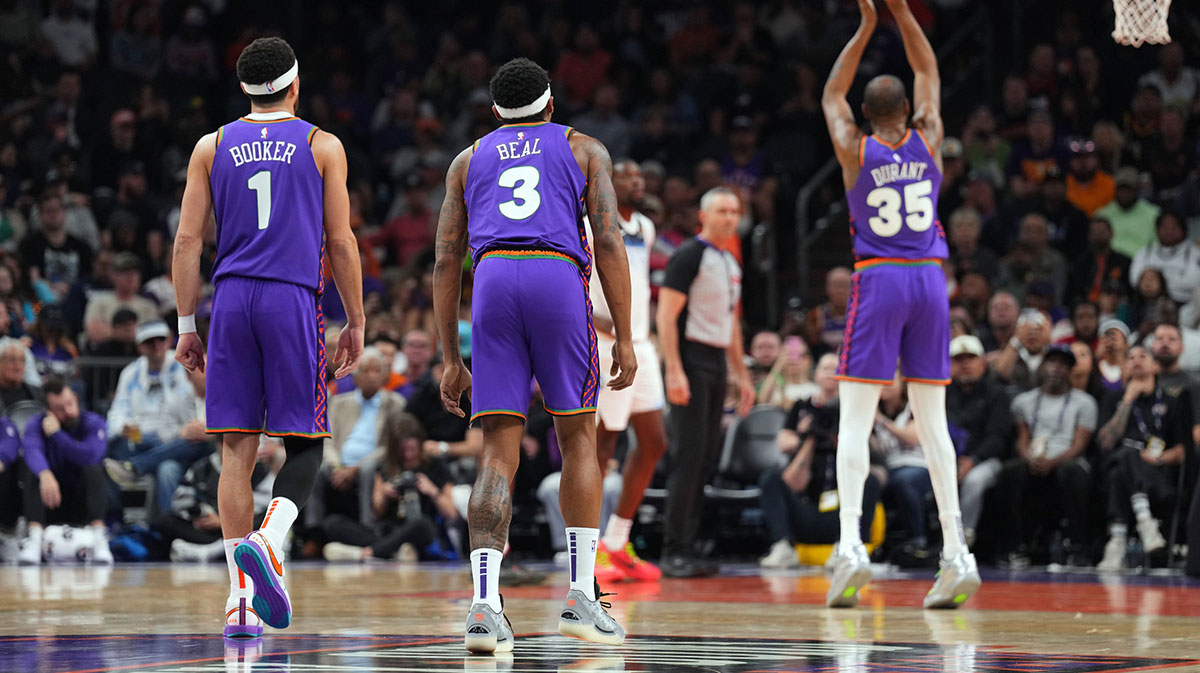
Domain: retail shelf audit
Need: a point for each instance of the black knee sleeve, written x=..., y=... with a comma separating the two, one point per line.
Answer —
x=299, y=472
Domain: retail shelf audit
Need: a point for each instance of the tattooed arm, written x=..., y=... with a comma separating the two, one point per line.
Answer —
x=451, y=249
x=611, y=261
x=838, y=116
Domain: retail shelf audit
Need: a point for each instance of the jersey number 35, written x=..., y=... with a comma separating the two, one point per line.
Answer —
x=918, y=208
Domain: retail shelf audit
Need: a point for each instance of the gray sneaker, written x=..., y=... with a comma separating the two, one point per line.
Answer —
x=957, y=579
x=586, y=619
x=851, y=572
x=488, y=631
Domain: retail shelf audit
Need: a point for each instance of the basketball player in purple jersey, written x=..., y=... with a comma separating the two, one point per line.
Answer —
x=516, y=199
x=277, y=186
x=898, y=306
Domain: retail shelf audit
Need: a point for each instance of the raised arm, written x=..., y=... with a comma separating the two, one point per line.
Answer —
x=608, y=243
x=343, y=249
x=450, y=252
x=189, y=243
x=927, y=83
x=843, y=129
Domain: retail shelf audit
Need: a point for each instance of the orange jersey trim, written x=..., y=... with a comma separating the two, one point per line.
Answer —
x=932, y=382
x=497, y=412
x=881, y=141
x=855, y=379
x=862, y=150
x=925, y=142
x=895, y=261
x=311, y=133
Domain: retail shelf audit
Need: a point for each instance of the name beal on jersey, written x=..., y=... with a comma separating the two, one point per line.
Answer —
x=519, y=147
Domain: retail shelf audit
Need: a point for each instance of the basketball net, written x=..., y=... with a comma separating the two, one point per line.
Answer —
x=1140, y=21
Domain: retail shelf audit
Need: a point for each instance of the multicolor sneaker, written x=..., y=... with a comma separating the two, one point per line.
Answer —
x=257, y=557
x=851, y=572
x=631, y=564
x=488, y=631
x=241, y=621
x=605, y=568
x=586, y=619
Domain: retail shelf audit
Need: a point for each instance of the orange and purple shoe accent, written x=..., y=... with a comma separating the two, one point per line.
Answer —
x=257, y=559
x=241, y=628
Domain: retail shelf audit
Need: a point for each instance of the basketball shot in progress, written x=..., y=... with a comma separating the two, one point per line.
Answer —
x=898, y=307
x=277, y=186
x=526, y=187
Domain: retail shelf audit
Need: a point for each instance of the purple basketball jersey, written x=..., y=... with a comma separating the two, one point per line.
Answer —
x=525, y=191
x=269, y=201
x=893, y=205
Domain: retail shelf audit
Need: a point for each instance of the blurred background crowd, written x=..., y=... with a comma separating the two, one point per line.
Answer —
x=1071, y=200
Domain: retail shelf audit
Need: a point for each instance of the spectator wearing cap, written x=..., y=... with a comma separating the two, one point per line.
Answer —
x=966, y=255
x=1131, y=216
x=1068, y=224
x=1144, y=440
x=103, y=305
x=1054, y=425
x=1034, y=259
x=56, y=259
x=1174, y=255
x=1088, y=187
x=1017, y=364
x=1100, y=264
x=977, y=409
x=150, y=393
x=954, y=178
x=1110, y=354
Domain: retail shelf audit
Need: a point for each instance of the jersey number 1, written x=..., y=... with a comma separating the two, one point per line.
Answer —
x=523, y=180
x=260, y=182
x=919, y=207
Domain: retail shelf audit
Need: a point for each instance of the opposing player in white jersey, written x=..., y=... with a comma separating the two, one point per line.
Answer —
x=641, y=405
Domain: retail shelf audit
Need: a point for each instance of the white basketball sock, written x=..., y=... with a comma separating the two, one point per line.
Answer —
x=929, y=412
x=616, y=533
x=485, y=572
x=239, y=584
x=581, y=547
x=858, y=402
x=281, y=514
x=1140, y=503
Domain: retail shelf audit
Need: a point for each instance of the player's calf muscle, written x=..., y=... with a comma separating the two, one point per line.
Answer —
x=490, y=510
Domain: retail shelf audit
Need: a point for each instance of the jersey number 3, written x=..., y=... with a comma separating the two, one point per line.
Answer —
x=918, y=207
x=260, y=182
x=523, y=180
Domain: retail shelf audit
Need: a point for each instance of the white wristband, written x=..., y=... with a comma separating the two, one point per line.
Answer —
x=187, y=324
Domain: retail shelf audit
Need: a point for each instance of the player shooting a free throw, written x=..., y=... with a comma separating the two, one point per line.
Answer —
x=898, y=307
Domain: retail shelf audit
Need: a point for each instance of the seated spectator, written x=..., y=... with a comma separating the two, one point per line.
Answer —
x=64, y=476
x=388, y=350
x=799, y=501
x=357, y=423
x=894, y=439
x=966, y=255
x=1001, y=325
x=1098, y=266
x=764, y=353
x=1068, y=224
x=1144, y=441
x=1131, y=216
x=56, y=259
x=1168, y=350
x=1174, y=255
x=1141, y=312
x=410, y=492
x=1110, y=355
x=1033, y=259
x=192, y=525
x=167, y=460
x=419, y=350
x=14, y=387
x=1085, y=321
x=789, y=381
x=51, y=347
x=1017, y=364
x=122, y=337
x=445, y=433
x=980, y=421
x=1113, y=301
x=1084, y=375
x=1088, y=187
x=103, y=305
x=1054, y=425
x=826, y=323
x=14, y=300
x=153, y=393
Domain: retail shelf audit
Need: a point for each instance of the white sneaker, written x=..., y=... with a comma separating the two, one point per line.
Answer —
x=1114, y=555
x=101, y=554
x=336, y=551
x=781, y=555
x=183, y=551
x=1152, y=537
x=241, y=621
x=408, y=553
x=29, y=552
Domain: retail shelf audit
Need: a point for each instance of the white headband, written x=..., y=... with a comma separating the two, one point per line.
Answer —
x=528, y=110
x=278, y=84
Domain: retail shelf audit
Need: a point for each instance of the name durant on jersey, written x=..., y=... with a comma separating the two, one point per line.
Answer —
x=909, y=170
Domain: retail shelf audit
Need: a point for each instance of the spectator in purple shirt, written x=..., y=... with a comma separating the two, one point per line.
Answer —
x=64, y=476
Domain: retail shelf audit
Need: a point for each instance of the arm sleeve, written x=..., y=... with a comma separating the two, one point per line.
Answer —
x=35, y=446
x=684, y=266
x=90, y=448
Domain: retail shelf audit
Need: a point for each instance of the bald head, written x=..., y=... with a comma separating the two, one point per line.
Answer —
x=885, y=99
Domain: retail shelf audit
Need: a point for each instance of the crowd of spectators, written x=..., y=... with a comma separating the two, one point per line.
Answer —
x=1071, y=202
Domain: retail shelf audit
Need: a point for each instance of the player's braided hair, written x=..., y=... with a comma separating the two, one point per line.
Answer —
x=264, y=60
x=517, y=84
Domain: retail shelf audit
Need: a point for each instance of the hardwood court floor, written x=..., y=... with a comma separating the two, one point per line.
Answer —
x=408, y=618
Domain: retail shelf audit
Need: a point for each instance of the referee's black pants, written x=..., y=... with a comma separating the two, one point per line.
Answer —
x=695, y=445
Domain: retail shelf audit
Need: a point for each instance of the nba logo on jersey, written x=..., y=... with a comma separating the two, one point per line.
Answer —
x=521, y=135
x=264, y=133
